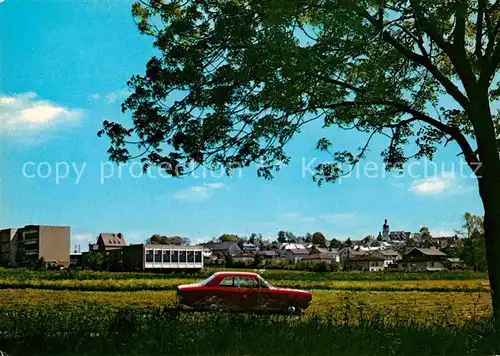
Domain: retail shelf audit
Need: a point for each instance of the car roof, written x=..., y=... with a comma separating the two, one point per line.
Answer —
x=229, y=273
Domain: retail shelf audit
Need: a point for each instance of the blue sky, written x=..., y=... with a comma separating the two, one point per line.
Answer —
x=64, y=70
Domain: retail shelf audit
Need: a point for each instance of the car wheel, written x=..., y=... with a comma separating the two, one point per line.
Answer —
x=212, y=306
x=291, y=309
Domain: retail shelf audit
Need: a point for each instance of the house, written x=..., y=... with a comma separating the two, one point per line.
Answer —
x=292, y=246
x=422, y=259
x=246, y=257
x=446, y=241
x=346, y=253
x=108, y=241
x=268, y=255
x=75, y=258
x=248, y=247
x=390, y=256
x=316, y=258
x=453, y=263
x=333, y=254
x=295, y=255
x=223, y=248
x=365, y=262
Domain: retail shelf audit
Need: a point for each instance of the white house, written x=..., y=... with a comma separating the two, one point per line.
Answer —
x=389, y=256
x=248, y=247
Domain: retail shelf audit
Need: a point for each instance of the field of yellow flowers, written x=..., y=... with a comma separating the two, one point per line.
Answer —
x=459, y=298
x=421, y=306
x=95, y=313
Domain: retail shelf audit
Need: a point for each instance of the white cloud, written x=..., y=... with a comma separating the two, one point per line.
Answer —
x=85, y=236
x=215, y=185
x=137, y=236
x=95, y=96
x=114, y=96
x=291, y=215
x=446, y=183
x=82, y=239
x=193, y=194
x=25, y=113
x=434, y=185
x=442, y=231
x=198, y=193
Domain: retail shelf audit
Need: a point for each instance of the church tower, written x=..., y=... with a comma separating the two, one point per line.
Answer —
x=385, y=231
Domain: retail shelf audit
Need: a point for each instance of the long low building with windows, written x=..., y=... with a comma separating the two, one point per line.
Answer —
x=162, y=257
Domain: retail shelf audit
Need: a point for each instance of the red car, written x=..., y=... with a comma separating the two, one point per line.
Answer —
x=244, y=292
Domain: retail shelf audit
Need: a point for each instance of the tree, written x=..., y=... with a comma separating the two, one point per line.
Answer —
x=282, y=236
x=229, y=237
x=348, y=243
x=368, y=240
x=40, y=264
x=473, y=252
x=319, y=239
x=335, y=244
x=290, y=237
x=309, y=237
x=426, y=237
x=167, y=240
x=236, y=80
x=257, y=260
x=253, y=238
x=265, y=245
x=93, y=260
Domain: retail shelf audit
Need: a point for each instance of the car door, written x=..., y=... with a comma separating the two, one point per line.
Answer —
x=226, y=295
x=248, y=287
x=269, y=299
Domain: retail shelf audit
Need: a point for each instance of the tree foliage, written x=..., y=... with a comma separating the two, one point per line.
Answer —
x=473, y=252
x=234, y=80
x=319, y=239
x=335, y=244
x=168, y=240
x=229, y=237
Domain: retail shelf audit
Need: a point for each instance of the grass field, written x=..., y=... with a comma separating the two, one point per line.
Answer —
x=369, y=305
x=456, y=307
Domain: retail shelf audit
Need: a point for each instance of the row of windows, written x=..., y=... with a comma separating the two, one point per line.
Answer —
x=173, y=256
x=241, y=282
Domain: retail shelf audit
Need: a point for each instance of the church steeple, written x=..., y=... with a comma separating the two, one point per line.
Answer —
x=385, y=231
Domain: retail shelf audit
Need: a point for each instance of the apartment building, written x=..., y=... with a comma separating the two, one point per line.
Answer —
x=8, y=248
x=26, y=245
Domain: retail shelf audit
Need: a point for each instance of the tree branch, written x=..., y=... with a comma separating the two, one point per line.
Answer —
x=423, y=61
x=454, y=132
x=456, y=51
x=479, y=30
x=459, y=30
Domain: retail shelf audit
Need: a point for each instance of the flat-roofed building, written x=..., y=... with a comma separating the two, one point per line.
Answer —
x=8, y=247
x=162, y=257
x=24, y=246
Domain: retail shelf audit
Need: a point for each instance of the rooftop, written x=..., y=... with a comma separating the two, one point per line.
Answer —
x=235, y=273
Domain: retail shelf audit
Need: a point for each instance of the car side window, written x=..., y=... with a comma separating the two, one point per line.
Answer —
x=248, y=282
x=227, y=282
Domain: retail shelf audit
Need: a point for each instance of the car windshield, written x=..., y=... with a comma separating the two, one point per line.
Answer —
x=208, y=280
x=265, y=283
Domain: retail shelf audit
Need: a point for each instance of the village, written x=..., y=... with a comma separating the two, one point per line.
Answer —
x=44, y=246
